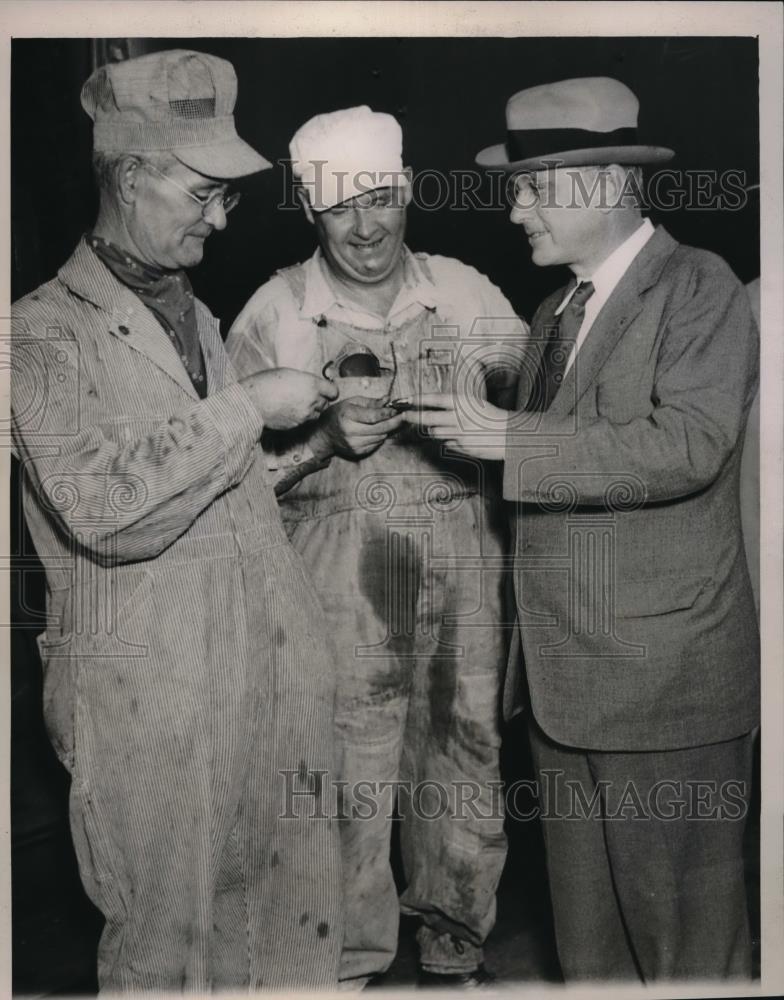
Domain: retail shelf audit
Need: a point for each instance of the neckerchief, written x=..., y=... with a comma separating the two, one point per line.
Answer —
x=168, y=295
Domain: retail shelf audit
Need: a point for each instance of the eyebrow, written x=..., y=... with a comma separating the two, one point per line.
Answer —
x=207, y=187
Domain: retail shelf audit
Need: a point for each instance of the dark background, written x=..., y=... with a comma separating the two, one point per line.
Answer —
x=698, y=96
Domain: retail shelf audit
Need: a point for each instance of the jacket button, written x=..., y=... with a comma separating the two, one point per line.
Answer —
x=124, y=330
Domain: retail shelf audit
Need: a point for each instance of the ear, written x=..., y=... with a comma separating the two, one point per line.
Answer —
x=303, y=197
x=129, y=172
x=613, y=190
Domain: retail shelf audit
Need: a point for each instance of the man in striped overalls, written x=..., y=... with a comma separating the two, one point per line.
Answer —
x=403, y=542
x=188, y=682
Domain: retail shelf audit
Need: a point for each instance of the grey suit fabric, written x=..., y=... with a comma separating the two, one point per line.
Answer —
x=636, y=620
x=635, y=610
x=750, y=471
x=645, y=859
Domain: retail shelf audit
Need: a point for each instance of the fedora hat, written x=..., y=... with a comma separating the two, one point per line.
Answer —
x=584, y=122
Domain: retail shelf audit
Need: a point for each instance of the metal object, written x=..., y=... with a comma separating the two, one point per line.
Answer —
x=353, y=361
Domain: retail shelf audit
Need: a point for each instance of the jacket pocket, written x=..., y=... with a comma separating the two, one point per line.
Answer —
x=658, y=596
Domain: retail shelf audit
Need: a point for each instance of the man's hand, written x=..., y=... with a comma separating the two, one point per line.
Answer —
x=286, y=398
x=465, y=424
x=355, y=427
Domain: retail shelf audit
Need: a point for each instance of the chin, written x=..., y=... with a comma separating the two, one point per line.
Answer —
x=372, y=272
x=545, y=256
x=191, y=258
x=539, y=258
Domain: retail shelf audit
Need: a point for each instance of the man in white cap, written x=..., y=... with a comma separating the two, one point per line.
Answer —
x=635, y=611
x=405, y=543
x=186, y=672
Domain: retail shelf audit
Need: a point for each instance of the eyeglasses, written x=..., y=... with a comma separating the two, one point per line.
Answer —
x=223, y=199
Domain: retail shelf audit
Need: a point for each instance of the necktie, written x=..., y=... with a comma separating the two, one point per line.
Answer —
x=561, y=339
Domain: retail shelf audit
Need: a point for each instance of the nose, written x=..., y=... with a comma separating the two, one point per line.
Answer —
x=215, y=214
x=363, y=223
x=525, y=201
x=520, y=212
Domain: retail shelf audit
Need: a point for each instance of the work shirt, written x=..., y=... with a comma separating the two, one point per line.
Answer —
x=447, y=323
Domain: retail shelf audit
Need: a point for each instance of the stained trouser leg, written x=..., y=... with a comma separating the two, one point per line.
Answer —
x=145, y=824
x=176, y=793
x=286, y=829
x=358, y=567
x=369, y=741
x=452, y=835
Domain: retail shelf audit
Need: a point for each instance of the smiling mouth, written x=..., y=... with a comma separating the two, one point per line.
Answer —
x=366, y=247
x=535, y=234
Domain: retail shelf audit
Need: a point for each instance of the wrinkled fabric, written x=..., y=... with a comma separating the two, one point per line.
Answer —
x=645, y=860
x=405, y=548
x=188, y=676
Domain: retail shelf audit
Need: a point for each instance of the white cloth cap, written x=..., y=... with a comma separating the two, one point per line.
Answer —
x=345, y=153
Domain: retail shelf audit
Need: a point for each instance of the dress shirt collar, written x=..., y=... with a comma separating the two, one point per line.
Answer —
x=612, y=269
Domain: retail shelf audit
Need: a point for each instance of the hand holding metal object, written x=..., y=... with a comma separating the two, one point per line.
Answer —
x=353, y=361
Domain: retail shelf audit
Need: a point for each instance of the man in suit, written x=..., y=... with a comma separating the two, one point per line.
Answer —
x=636, y=617
x=186, y=671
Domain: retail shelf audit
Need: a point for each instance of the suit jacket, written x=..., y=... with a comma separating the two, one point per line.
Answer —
x=750, y=471
x=635, y=611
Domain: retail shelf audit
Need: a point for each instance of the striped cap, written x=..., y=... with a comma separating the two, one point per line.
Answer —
x=177, y=100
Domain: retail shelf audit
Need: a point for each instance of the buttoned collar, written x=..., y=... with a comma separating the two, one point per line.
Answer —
x=322, y=295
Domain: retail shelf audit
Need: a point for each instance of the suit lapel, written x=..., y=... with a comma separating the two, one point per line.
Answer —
x=619, y=311
x=128, y=319
x=534, y=348
x=614, y=318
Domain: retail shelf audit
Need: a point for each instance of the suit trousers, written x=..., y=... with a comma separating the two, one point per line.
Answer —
x=645, y=862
